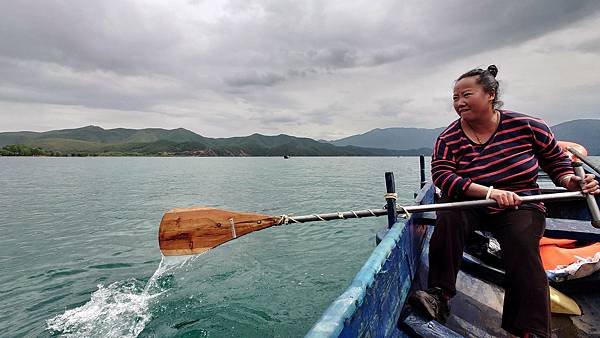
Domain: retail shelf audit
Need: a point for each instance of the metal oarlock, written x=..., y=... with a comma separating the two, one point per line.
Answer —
x=590, y=199
x=390, y=197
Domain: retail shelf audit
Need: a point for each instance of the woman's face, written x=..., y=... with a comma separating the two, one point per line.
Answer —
x=471, y=101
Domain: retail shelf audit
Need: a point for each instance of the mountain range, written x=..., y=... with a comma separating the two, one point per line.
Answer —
x=583, y=131
x=94, y=140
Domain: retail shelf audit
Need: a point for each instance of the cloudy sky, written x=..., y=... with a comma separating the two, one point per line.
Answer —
x=321, y=69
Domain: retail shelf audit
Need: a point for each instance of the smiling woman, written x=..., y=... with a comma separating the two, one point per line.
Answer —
x=495, y=154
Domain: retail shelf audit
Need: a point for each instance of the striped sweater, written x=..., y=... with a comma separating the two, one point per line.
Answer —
x=509, y=160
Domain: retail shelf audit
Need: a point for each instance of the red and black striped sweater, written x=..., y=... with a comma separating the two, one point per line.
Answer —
x=509, y=160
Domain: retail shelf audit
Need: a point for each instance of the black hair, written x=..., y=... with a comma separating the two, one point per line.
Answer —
x=487, y=79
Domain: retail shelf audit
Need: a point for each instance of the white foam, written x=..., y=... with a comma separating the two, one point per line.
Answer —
x=118, y=310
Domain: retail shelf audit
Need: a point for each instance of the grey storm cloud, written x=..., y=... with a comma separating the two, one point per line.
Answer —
x=105, y=35
x=392, y=107
x=589, y=46
x=254, y=78
x=349, y=57
x=277, y=118
x=289, y=60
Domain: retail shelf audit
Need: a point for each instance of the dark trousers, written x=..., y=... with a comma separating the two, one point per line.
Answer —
x=526, y=298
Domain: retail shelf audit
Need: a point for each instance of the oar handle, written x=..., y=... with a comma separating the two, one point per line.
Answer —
x=584, y=159
x=591, y=201
x=572, y=195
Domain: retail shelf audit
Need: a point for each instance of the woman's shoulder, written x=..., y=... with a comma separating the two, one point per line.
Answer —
x=452, y=130
x=515, y=114
x=513, y=117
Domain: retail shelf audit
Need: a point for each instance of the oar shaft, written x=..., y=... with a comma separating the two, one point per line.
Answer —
x=584, y=159
x=573, y=195
x=591, y=201
x=490, y=202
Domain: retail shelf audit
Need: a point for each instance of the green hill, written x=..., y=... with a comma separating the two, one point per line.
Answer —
x=105, y=136
x=93, y=140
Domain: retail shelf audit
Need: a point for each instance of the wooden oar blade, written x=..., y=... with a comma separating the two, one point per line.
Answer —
x=196, y=230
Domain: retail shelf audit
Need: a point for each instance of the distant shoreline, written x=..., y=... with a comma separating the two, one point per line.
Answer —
x=182, y=156
x=180, y=142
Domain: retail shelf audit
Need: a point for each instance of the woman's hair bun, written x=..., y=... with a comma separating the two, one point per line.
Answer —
x=493, y=70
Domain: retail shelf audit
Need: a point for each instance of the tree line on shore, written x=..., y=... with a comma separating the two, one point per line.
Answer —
x=24, y=150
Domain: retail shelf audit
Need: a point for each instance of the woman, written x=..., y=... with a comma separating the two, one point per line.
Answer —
x=493, y=153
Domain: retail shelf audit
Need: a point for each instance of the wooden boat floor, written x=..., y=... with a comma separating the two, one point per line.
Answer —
x=588, y=322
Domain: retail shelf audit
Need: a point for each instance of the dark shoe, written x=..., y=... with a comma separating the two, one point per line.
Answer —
x=431, y=303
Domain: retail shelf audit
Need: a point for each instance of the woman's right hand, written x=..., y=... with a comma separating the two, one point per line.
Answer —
x=505, y=198
x=589, y=186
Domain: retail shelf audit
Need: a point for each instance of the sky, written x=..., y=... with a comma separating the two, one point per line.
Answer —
x=319, y=69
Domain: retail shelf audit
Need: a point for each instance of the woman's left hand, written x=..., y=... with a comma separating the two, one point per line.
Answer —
x=590, y=185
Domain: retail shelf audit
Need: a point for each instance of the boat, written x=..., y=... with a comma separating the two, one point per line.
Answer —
x=286, y=156
x=375, y=304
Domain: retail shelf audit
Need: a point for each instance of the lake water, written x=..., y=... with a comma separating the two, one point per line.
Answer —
x=79, y=251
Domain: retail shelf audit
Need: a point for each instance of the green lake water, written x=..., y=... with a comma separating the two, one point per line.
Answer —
x=79, y=253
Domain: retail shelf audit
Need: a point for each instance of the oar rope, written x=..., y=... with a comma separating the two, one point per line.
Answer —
x=287, y=219
x=401, y=210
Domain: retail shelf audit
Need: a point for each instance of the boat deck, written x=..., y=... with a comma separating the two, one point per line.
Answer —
x=476, y=310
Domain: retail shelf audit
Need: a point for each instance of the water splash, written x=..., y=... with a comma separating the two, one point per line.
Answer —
x=120, y=309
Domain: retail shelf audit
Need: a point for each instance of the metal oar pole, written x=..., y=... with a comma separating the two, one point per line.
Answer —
x=572, y=195
x=590, y=199
x=584, y=159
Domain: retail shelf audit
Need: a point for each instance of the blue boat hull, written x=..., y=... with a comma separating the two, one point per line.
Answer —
x=374, y=303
